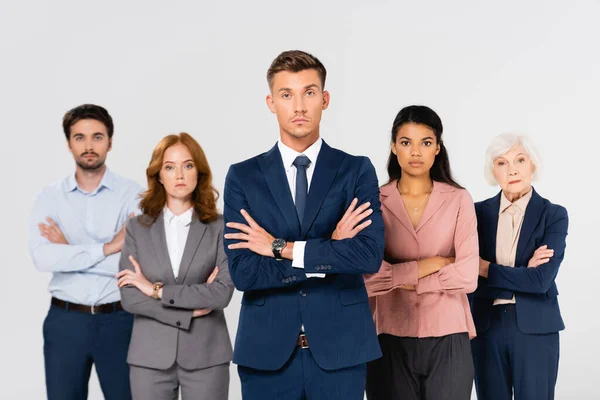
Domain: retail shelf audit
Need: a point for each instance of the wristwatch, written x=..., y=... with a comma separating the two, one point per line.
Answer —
x=155, y=288
x=277, y=247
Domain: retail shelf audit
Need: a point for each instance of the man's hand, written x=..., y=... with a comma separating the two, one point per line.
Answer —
x=252, y=235
x=348, y=227
x=135, y=278
x=115, y=245
x=52, y=232
x=201, y=312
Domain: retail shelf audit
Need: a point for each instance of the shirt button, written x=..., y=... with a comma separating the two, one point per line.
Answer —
x=178, y=323
x=171, y=301
x=302, y=293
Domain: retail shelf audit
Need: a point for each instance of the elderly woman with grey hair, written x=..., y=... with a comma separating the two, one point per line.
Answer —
x=515, y=307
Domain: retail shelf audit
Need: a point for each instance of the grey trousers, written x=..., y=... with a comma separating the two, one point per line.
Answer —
x=199, y=384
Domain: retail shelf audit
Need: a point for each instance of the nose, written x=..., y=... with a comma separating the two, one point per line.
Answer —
x=180, y=173
x=299, y=106
x=415, y=150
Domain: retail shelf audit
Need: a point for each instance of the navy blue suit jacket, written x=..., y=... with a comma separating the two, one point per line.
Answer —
x=535, y=290
x=278, y=299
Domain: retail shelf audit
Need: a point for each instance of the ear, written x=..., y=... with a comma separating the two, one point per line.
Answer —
x=69, y=145
x=326, y=99
x=109, y=145
x=394, y=148
x=270, y=103
x=437, y=151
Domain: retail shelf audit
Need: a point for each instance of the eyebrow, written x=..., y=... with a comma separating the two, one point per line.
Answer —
x=173, y=162
x=93, y=134
x=425, y=138
x=311, y=86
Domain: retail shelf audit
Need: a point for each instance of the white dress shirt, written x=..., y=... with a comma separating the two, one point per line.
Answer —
x=177, y=228
x=288, y=156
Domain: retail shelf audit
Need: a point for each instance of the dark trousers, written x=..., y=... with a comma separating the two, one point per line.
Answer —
x=505, y=358
x=74, y=340
x=436, y=368
x=302, y=379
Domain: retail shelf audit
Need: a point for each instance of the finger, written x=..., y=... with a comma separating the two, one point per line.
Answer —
x=543, y=261
x=43, y=227
x=126, y=281
x=213, y=275
x=349, y=210
x=237, y=246
x=239, y=227
x=125, y=272
x=50, y=222
x=361, y=208
x=136, y=266
x=542, y=247
x=362, y=226
x=362, y=216
x=250, y=220
x=238, y=236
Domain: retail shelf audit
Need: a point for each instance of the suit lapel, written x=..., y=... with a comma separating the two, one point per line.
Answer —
x=326, y=168
x=159, y=239
x=195, y=234
x=436, y=201
x=274, y=172
x=491, y=208
x=533, y=212
x=392, y=200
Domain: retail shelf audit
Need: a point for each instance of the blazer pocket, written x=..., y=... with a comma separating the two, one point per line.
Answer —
x=253, y=299
x=351, y=296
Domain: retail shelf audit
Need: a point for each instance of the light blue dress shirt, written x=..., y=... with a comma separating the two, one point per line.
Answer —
x=81, y=273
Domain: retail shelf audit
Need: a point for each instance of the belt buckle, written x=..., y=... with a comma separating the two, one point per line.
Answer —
x=303, y=341
x=93, y=310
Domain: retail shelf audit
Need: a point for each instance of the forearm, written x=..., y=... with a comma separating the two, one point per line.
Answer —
x=211, y=296
x=250, y=271
x=137, y=303
x=51, y=257
x=390, y=277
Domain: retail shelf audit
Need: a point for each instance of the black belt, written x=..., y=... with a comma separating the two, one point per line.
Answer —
x=99, y=309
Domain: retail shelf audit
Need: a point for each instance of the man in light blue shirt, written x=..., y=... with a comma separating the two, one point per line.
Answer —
x=76, y=232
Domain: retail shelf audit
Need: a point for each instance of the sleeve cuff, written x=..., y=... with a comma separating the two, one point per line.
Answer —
x=96, y=252
x=298, y=255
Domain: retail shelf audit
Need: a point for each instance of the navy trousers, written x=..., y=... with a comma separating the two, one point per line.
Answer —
x=302, y=379
x=74, y=340
x=505, y=358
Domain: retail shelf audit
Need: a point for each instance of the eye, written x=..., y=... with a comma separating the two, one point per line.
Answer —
x=404, y=143
x=189, y=166
x=310, y=93
x=169, y=167
x=427, y=143
x=286, y=96
x=521, y=160
x=78, y=138
x=98, y=137
x=500, y=163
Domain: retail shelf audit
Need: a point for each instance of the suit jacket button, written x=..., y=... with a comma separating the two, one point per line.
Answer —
x=294, y=278
x=171, y=301
x=178, y=323
x=302, y=293
x=283, y=280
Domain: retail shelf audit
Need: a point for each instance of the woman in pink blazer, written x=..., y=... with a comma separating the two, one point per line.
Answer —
x=419, y=296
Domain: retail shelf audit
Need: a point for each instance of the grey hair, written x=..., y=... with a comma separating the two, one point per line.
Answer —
x=501, y=145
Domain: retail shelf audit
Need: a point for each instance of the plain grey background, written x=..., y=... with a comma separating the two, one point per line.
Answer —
x=198, y=66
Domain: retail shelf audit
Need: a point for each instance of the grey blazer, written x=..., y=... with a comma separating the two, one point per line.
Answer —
x=164, y=330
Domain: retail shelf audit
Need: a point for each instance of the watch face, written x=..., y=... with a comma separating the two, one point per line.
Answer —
x=278, y=244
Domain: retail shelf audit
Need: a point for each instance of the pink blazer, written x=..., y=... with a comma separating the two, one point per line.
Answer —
x=439, y=305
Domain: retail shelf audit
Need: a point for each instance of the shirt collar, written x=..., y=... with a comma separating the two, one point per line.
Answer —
x=185, y=218
x=107, y=181
x=521, y=204
x=288, y=155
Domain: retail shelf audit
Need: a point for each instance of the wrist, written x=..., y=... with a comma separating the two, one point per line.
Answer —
x=288, y=251
x=106, y=249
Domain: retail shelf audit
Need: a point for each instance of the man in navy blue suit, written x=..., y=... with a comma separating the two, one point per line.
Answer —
x=305, y=328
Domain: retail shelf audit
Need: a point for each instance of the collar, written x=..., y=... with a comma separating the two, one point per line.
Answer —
x=521, y=204
x=107, y=181
x=288, y=155
x=185, y=218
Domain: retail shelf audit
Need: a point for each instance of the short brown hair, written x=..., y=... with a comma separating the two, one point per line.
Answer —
x=204, y=196
x=87, y=111
x=296, y=61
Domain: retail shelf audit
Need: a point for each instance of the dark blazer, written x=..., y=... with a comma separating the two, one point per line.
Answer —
x=164, y=330
x=278, y=299
x=535, y=289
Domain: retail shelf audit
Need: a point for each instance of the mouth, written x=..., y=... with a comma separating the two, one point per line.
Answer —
x=415, y=163
x=513, y=182
x=299, y=121
x=181, y=185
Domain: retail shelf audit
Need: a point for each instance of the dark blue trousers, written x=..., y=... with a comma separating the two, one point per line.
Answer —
x=505, y=358
x=74, y=340
x=302, y=379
